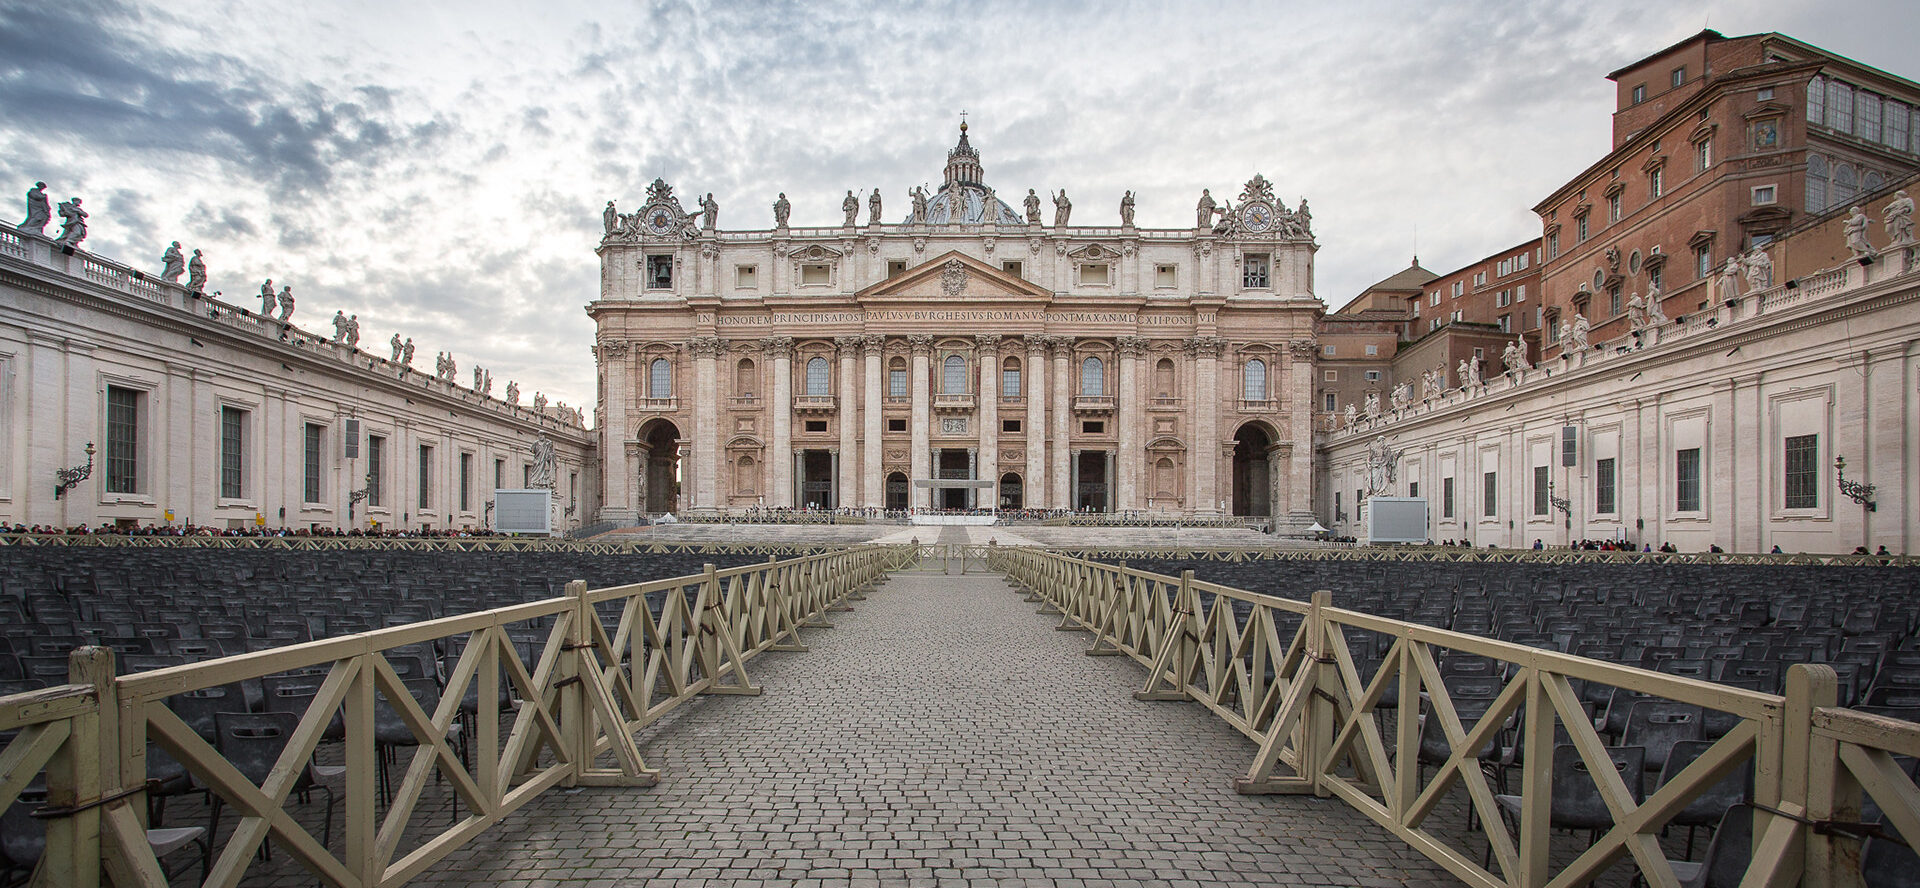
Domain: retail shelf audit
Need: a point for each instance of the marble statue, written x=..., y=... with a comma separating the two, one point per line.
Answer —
x=1305, y=217
x=919, y=194
x=1402, y=396
x=339, y=327
x=1349, y=415
x=1373, y=405
x=539, y=403
x=1515, y=354
x=542, y=475
x=1729, y=280
x=513, y=392
x=172, y=264
x=873, y=207
x=440, y=365
x=286, y=303
x=710, y=212
x=1856, y=230
x=1033, y=207
x=1062, y=209
x=1759, y=268
x=73, y=223
x=1899, y=219
x=478, y=375
x=39, y=212
x=1430, y=384
x=1382, y=466
x=1469, y=371
x=781, y=208
x=1613, y=260
x=851, y=207
x=353, y=332
x=1655, y=317
x=395, y=343
x=1204, y=210
x=196, y=274
x=453, y=368
x=1126, y=210
x=406, y=353
x=1636, y=313
x=610, y=218
x=266, y=298
x=1577, y=333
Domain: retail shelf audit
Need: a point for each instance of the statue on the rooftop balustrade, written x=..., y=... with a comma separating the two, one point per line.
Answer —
x=610, y=218
x=1856, y=230
x=1373, y=405
x=1636, y=312
x=353, y=332
x=539, y=402
x=1577, y=333
x=339, y=327
x=395, y=342
x=710, y=212
x=781, y=209
x=286, y=303
x=1305, y=217
x=1729, y=280
x=266, y=298
x=406, y=353
x=1204, y=210
x=73, y=222
x=1759, y=270
x=1126, y=210
x=1349, y=415
x=919, y=194
x=513, y=392
x=196, y=274
x=1899, y=217
x=172, y=263
x=1062, y=209
x=1514, y=356
x=1655, y=317
x=1033, y=207
x=850, y=207
x=39, y=211
x=873, y=207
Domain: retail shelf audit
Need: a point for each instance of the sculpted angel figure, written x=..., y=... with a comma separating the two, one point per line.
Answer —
x=172, y=263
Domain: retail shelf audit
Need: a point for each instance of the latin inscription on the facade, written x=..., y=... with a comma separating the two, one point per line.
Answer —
x=893, y=314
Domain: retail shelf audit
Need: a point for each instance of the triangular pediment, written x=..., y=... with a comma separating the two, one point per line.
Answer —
x=952, y=276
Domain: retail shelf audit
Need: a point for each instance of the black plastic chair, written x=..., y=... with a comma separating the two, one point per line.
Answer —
x=23, y=838
x=1707, y=808
x=1577, y=803
x=253, y=743
x=1728, y=855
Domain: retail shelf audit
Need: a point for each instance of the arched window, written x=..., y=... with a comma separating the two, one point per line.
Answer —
x=1256, y=382
x=953, y=376
x=660, y=379
x=1093, y=377
x=743, y=379
x=1163, y=378
x=1816, y=183
x=1163, y=478
x=1844, y=184
x=817, y=377
x=897, y=378
x=744, y=475
x=1010, y=378
x=1872, y=182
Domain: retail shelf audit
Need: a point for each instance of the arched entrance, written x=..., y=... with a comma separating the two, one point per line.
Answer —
x=1252, y=485
x=1011, y=494
x=660, y=475
x=897, y=492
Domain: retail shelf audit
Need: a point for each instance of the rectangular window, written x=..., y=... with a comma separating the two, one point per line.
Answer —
x=1613, y=207
x=1656, y=182
x=1479, y=278
x=1506, y=323
x=896, y=267
x=1094, y=428
x=1446, y=497
x=1011, y=267
x=896, y=425
x=1763, y=195
x=1639, y=94
x=1679, y=76
x=1254, y=273
x=1331, y=402
x=897, y=383
x=1840, y=106
x=1613, y=301
x=1553, y=245
x=1331, y=375
x=1373, y=376
x=499, y=473
x=1687, y=480
x=746, y=277
x=1653, y=275
x=1436, y=298
x=1009, y=383
x=466, y=482
x=1702, y=262
x=426, y=477
x=1165, y=276
x=1520, y=293
x=1703, y=155
x=376, y=459
x=659, y=272
x=1459, y=289
x=313, y=444
x=1803, y=472
x=816, y=425
x=1540, y=490
x=1867, y=121
x=1490, y=494
x=1817, y=100
x=1763, y=94
x=233, y=452
x=123, y=440
x=1373, y=350
x=1413, y=488
x=816, y=275
x=1010, y=425
x=1895, y=134
x=1581, y=236
x=1093, y=274
x=1604, y=487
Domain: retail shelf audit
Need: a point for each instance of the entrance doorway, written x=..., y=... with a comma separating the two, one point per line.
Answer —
x=816, y=479
x=1090, y=481
x=660, y=476
x=1011, y=495
x=1252, y=489
x=954, y=464
x=897, y=492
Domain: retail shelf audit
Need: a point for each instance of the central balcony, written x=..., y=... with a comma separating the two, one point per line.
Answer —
x=819, y=405
x=961, y=402
x=1093, y=403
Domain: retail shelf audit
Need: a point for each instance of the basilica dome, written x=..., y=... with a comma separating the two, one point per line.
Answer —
x=964, y=198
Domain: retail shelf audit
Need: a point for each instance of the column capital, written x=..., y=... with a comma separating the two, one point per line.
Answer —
x=1062, y=346
x=612, y=349
x=777, y=346
x=1303, y=349
x=707, y=346
x=1205, y=346
x=1036, y=344
x=988, y=343
x=846, y=346
x=1132, y=346
x=921, y=343
x=872, y=344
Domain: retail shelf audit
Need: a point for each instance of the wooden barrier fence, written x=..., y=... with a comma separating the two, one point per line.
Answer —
x=586, y=671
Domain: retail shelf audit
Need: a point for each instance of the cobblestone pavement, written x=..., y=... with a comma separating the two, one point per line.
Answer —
x=942, y=734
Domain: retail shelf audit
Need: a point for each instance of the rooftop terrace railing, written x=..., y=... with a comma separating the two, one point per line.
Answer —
x=570, y=679
x=1284, y=673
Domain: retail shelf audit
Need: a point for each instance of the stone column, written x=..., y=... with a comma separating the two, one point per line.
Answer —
x=780, y=451
x=989, y=414
x=1129, y=460
x=1034, y=487
x=874, y=478
x=973, y=474
x=839, y=490
x=618, y=430
x=1111, y=505
x=1063, y=490
x=1298, y=387
x=705, y=473
x=1207, y=478
x=846, y=472
x=1073, y=493
x=919, y=497
x=635, y=466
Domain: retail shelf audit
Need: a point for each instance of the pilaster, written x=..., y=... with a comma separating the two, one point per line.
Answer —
x=780, y=457
x=922, y=458
x=988, y=412
x=1035, y=489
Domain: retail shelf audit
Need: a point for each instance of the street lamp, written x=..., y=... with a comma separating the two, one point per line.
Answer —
x=1563, y=504
x=354, y=497
x=1858, y=492
x=71, y=478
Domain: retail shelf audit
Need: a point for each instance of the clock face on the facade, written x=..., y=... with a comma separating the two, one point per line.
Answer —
x=660, y=221
x=1257, y=216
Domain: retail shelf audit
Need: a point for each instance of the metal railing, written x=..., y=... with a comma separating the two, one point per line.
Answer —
x=1281, y=672
x=586, y=671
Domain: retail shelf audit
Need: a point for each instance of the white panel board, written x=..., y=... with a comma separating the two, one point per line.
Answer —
x=1396, y=519
x=523, y=511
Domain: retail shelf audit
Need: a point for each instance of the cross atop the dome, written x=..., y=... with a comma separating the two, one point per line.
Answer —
x=963, y=120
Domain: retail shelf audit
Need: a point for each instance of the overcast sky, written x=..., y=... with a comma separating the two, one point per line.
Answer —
x=440, y=168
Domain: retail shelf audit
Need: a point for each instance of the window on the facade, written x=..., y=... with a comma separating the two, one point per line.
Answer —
x=1092, y=427
x=1845, y=183
x=1553, y=245
x=897, y=383
x=660, y=378
x=816, y=275
x=1163, y=379
x=659, y=272
x=1679, y=76
x=896, y=425
x=1331, y=375
x=1639, y=94
x=953, y=375
x=1413, y=488
x=1868, y=123
x=1506, y=323
x=1840, y=106
x=1010, y=425
x=1011, y=267
x=1817, y=100
x=1899, y=118
x=1165, y=276
x=313, y=447
x=1653, y=276
x=1489, y=494
x=1330, y=403
x=1254, y=273
x=1093, y=377
x=123, y=439
x=233, y=452
x=1446, y=497
x=1702, y=262
x=816, y=425
x=1703, y=155
x=1010, y=378
x=1803, y=472
x=1256, y=380
x=1540, y=490
x=1604, y=486
x=1093, y=274
x=746, y=277
x=817, y=377
x=1581, y=235
x=1687, y=480
x=1613, y=207
x=1763, y=195
x=1656, y=182
x=466, y=482
x=1613, y=300
x=499, y=473
x=376, y=469
x=743, y=378
x=426, y=478
x=896, y=267
x=1373, y=376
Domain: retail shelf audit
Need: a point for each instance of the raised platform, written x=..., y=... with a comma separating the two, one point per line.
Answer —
x=936, y=519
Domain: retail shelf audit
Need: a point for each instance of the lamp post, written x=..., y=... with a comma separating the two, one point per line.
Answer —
x=1856, y=491
x=354, y=497
x=71, y=477
x=1564, y=505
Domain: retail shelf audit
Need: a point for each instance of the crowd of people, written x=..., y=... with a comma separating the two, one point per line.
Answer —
x=195, y=530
